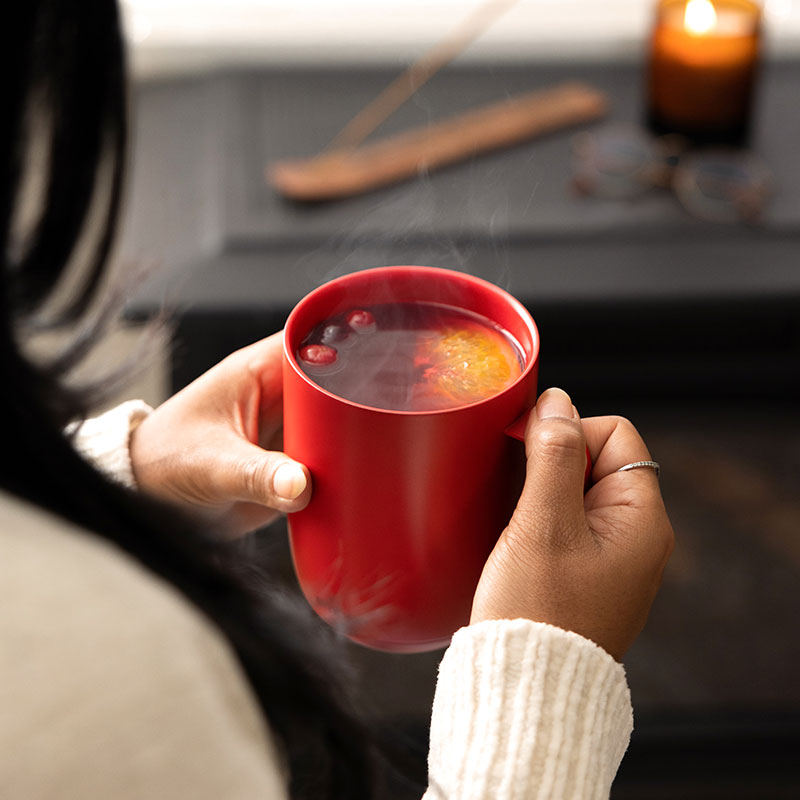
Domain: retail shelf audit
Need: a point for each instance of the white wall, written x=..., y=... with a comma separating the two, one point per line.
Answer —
x=169, y=35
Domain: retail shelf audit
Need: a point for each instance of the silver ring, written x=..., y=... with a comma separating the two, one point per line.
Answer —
x=654, y=465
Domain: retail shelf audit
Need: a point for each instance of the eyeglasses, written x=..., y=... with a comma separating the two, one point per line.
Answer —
x=719, y=185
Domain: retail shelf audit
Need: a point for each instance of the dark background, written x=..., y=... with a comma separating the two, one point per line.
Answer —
x=691, y=329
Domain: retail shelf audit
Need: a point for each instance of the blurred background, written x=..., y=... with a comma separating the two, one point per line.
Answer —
x=664, y=277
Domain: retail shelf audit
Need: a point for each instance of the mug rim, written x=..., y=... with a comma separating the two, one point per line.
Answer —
x=463, y=277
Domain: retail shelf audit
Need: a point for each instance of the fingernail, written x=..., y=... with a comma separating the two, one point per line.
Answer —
x=289, y=481
x=554, y=403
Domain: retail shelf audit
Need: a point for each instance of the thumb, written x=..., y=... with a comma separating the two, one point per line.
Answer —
x=267, y=477
x=551, y=502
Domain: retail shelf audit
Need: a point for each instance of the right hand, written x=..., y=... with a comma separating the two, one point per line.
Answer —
x=588, y=563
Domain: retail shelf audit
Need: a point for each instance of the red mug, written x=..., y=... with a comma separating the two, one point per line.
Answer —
x=406, y=505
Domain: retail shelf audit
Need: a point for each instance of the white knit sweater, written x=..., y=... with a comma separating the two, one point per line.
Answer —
x=114, y=687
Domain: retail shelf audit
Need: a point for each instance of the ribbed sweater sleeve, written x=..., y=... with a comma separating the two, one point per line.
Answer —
x=104, y=440
x=526, y=711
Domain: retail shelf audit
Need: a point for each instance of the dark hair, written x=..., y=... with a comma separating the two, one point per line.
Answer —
x=64, y=90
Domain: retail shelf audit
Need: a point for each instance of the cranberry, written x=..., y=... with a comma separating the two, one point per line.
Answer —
x=361, y=321
x=318, y=354
x=335, y=333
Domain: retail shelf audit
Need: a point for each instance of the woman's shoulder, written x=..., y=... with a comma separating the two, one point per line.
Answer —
x=115, y=684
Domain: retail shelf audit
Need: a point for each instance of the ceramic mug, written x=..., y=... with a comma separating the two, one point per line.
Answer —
x=406, y=505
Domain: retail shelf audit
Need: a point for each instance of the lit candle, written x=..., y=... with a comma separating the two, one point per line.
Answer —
x=703, y=64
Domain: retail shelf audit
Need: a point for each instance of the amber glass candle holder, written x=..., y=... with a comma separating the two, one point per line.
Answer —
x=703, y=64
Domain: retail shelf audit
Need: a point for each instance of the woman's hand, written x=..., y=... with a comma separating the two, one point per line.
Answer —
x=215, y=445
x=590, y=564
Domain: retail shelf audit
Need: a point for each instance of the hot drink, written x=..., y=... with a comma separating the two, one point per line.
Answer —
x=399, y=385
x=411, y=356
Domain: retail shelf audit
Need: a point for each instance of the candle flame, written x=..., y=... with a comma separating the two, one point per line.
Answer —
x=700, y=17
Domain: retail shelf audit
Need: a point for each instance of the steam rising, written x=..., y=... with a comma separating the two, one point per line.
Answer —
x=414, y=225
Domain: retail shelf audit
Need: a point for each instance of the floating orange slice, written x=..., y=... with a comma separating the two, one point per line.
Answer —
x=466, y=364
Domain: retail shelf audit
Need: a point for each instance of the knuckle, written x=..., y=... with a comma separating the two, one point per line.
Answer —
x=256, y=478
x=628, y=432
x=624, y=425
x=558, y=439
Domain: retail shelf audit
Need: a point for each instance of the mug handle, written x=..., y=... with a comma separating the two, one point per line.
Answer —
x=516, y=430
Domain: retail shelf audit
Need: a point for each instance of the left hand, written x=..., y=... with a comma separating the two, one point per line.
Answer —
x=215, y=446
x=589, y=563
